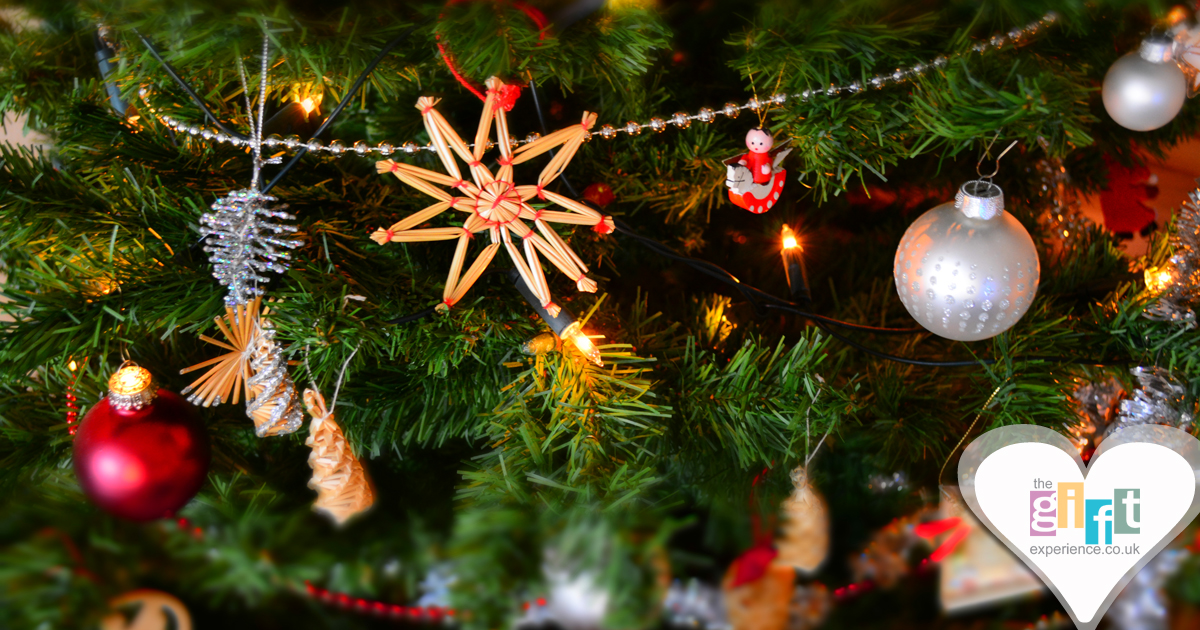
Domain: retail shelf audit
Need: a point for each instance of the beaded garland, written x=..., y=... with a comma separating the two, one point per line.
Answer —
x=679, y=120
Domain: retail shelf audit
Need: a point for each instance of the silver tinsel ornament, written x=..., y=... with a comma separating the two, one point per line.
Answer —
x=1063, y=216
x=245, y=242
x=1142, y=605
x=1159, y=399
x=967, y=270
x=275, y=407
x=697, y=606
x=1098, y=404
x=1178, y=283
x=1145, y=89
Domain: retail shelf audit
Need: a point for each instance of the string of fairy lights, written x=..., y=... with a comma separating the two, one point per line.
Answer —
x=792, y=252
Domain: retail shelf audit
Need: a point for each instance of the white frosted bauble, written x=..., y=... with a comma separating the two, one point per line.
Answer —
x=1145, y=90
x=967, y=270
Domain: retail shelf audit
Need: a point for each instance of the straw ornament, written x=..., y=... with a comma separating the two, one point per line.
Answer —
x=805, y=540
x=342, y=486
x=494, y=203
x=229, y=371
x=253, y=368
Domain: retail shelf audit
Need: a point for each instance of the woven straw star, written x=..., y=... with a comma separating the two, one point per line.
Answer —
x=493, y=203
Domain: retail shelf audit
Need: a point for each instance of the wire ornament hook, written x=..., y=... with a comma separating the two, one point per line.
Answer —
x=256, y=126
x=986, y=152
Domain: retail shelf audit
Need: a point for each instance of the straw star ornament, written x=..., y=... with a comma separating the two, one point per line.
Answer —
x=494, y=203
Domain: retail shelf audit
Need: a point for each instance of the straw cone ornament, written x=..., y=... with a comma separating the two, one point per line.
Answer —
x=805, y=540
x=342, y=486
x=494, y=203
x=253, y=368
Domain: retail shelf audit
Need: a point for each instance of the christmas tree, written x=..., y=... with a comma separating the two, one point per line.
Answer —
x=476, y=327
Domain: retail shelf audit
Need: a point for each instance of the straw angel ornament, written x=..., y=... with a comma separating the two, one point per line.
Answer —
x=493, y=203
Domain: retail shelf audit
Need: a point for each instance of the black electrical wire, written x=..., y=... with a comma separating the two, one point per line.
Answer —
x=186, y=88
x=891, y=357
x=841, y=324
x=537, y=106
x=753, y=294
x=414, y=317
x=358, y=83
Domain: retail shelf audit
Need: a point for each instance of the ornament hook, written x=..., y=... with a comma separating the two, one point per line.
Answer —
x=979, y=165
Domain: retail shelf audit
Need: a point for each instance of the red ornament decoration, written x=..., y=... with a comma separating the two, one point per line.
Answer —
x=141, y=453
x=600, y=194
x=755, y=179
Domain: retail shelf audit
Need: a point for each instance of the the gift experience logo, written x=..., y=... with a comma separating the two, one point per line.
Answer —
x=1065, y=507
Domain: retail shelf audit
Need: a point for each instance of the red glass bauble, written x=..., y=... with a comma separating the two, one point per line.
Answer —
x=142, y=464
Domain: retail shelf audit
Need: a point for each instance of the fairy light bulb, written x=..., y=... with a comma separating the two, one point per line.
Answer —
x=574, y=333
x=1159, y=279
x=793, y=265
x=562, y=322
x=308, y=105
x=789, y=239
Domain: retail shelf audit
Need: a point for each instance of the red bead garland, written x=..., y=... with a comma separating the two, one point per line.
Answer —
x=72, y=408
x=426, y=614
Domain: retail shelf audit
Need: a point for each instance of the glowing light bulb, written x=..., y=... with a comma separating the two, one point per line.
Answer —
x=574, y=332
x=308, y=105
x=72, y=365
x=1158, y=279
x=793, y=265
x=129, y=380
x=789, y=239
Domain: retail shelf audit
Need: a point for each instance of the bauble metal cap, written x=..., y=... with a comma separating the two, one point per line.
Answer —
x=979, y=199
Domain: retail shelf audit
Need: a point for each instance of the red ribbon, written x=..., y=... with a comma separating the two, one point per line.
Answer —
x=752, y=565
x=509, y=93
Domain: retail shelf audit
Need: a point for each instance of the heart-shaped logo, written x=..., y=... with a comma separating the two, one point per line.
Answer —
x=1085, y=531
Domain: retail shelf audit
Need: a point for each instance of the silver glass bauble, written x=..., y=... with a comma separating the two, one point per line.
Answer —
x=967, y=270
x=1145, y=90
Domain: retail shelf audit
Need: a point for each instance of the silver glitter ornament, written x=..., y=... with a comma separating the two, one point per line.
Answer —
x=1159, y=399
x=1145, y=89
x=275, y=408
x=244, y=242
x=967, y=270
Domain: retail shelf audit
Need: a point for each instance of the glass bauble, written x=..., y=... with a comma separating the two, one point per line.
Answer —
x=141, y=461
x=1145, y=90
x=967, y=270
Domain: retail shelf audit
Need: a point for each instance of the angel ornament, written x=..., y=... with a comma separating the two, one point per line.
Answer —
x=755, y=179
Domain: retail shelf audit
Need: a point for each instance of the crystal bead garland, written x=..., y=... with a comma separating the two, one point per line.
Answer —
x=244, y=242
x=681, y=120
